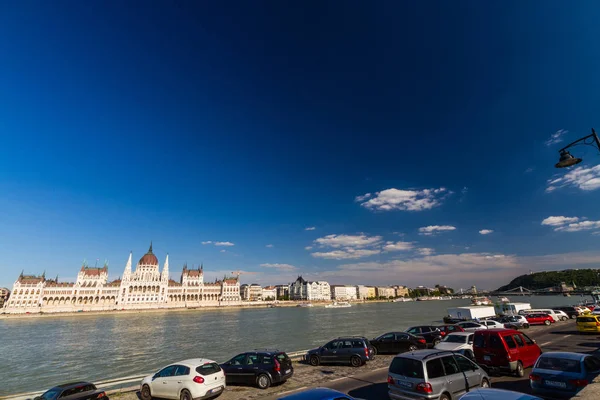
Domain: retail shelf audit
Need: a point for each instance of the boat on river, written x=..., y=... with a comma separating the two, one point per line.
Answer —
x=481, y=301
x=402, y=300
x=341, y=304
x=304, y=305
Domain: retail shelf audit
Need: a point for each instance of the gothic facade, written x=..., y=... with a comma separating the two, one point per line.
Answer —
x=146, y=287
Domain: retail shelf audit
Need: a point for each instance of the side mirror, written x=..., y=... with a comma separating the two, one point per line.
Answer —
x=470, y=342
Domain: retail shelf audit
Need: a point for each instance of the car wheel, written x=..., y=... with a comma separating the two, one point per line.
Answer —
x=572, y=316
x=145, y=394
x=314, y=361
x=375, y=351
x=546, y=322
x=263, y=381
x=485, y=383
x=355, y=361
x=435, y=342
x=526, y=326
x=185, y=395
x=564, y=318
x=412, y=347
x=445, y=396
x=520, y=372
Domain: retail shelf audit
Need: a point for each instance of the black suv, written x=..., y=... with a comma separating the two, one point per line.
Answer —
x=353, y=350
x=260, y=368
x=74, y=391
x=431, y=334
x=397, y=342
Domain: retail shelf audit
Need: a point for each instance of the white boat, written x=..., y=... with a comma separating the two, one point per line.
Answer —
x=341, y=304
x=481, y=301
x=503, y=299
x=402, y=300
x=304, y=305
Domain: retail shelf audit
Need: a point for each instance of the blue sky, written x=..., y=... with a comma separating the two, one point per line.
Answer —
x=190, y=123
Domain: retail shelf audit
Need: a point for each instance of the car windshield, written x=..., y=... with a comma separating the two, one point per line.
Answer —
x=51, y=394
x=558, y=364
x=455, y=339
x=407, y=367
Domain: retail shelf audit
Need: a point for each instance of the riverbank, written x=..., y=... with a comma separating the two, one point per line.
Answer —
x=244, y=305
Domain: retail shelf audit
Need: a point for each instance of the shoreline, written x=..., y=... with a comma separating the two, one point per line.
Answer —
x=282, y=304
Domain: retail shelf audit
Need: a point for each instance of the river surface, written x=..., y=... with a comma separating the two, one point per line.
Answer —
x=37, y=353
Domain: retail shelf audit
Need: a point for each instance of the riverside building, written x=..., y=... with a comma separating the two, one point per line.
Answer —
x=304, y=290
x=146, y=287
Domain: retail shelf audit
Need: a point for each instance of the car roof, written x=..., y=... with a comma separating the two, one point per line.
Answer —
x=497, y=330
x=193, y=362
x=496, y=394
x=315, y=394
x=71, y=385
x=421, y=354
x=461, y=333
x=565, y=354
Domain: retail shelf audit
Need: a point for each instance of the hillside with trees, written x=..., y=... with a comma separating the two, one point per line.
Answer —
x=542, y=280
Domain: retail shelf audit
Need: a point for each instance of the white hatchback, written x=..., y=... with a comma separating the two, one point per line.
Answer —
x=461, y=342
x=192, y=379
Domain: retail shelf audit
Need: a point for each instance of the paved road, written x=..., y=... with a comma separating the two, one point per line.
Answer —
x=562, y=336
x=369, y=382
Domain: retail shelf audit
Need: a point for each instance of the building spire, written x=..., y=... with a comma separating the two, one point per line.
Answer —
x=165, y=271
x=127, y=272
x=150, y=249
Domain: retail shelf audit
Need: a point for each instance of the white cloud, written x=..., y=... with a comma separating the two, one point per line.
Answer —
x=310, y=228
x=582, y=178
x=224, y=244
x=346, y=253
x=347, y=246
x=556, y=137
x=398, y=246
x=425, y=251
x=223, y=251
x=558, y=221
x=405, y=200
x=485, y=231
x=528, y=170
x=207, y=242
x=337, y=241
x=434, y=229
x=308, y=248
x=579, y=226
x=269, y=246
x=281, y=267
x=362, y=198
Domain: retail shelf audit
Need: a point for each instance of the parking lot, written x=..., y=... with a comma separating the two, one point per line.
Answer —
x=369, y=382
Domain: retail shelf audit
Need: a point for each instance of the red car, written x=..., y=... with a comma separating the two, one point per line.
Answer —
x=539, y=319
x=448, y=329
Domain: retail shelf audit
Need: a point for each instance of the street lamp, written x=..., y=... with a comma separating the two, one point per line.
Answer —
x=567, y=160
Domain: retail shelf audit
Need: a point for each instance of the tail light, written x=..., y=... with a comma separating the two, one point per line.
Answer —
x=277, y=367
x=597, y=323
x=424, y=387
x=578, y=382
x=422, y=341
x=442, y=333
x=390, y=380
x=101, y=395
x=367, y=352
x=534, y=377
x=198, y=379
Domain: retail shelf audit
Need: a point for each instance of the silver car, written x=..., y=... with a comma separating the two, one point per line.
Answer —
x=433, y=374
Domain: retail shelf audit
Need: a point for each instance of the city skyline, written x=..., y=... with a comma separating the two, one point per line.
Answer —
x=366, y=148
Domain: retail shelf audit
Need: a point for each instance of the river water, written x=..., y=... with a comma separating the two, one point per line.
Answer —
x=37, y=353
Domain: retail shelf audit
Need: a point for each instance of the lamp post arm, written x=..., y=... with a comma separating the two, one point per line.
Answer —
x=593, y=135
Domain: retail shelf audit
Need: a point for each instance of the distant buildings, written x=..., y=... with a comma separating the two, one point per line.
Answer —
x=362, y=292
x=146, y=287
x=401, y=291
x=385, y=292
x=343, y=292
x=283, y=292
x=304, y=290
x=4, y=295
x=269, y=293
x=252, y=292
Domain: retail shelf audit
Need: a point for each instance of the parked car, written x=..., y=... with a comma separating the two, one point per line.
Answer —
x=596, y=311
x=74, y=391
x=471, y=326
x=490, y=323
x=571, y=311
x=197, y=378
x=448, y=329
x=539, y=319
x=397, y=342
x=354, y=350
x=514, y=322
x=563, y=316
x=319, y=394
x=505, y=350
x=587, y=323
x=433, y=374
x=260, y=368
x=431, y=334
x=563, y=374
x=496, y=394
x=550, y=312
x=461, y=342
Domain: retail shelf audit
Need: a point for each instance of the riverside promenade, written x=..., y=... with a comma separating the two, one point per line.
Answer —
x=369, y=382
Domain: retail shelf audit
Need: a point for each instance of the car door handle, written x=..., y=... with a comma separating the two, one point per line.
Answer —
x=179, y=381
x=164, y=383
x=449, y=381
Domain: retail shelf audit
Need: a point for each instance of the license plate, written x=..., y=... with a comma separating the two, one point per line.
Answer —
x=486, y=358
x=404, y=384
x=287, y=371
x=556, y=384
x=215, y=390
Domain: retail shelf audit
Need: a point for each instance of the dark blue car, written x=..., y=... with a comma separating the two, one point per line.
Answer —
x=319, y=394
x=563, y=374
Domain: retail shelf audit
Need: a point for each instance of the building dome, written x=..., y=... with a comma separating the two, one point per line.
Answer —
x=149, y=258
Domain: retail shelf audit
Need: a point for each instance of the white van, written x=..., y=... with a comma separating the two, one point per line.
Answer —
x=548, y=311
